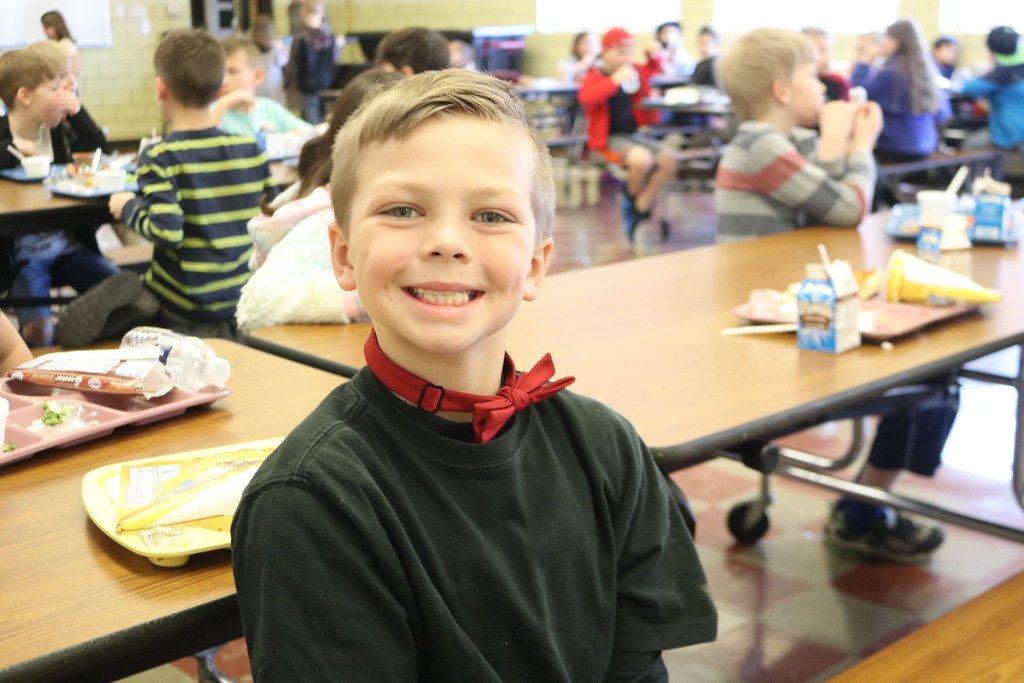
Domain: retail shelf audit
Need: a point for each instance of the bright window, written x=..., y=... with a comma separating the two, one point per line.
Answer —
x=972, y=16
x=740, y=16
x=559, y=16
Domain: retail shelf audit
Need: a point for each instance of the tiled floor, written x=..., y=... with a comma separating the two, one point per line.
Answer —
x=791, y=611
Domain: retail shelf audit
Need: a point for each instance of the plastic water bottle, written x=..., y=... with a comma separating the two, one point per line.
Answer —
x=190, y=361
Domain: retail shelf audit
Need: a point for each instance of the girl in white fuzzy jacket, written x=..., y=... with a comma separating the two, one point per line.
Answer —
x=292, y=280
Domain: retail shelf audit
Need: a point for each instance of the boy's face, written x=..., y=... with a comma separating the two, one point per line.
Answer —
x=441, y=240
x=617, y=55
x=806, y=94
x=239, y=74
x=706, y=46
x=41, y=103
x=945, y=53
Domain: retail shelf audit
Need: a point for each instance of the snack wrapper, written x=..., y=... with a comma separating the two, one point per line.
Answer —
x=114, y=371
x=201, y=489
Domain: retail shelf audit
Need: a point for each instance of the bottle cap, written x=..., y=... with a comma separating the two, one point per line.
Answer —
x=216, y=371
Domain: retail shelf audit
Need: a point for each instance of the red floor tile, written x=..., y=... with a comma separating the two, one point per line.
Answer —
x=908, y=588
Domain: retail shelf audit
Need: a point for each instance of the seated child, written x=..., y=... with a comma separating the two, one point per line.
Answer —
x=467, y=529
x=1003, y=87
x=836, y=86
x=413, y=50
x=198, y=189
x=45, y=118
x=239, y=110
x=776, y=174
x=773, y=178
x=608, y=94
x=292, y=279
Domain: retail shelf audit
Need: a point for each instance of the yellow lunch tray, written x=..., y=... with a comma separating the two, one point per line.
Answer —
x=165, y=546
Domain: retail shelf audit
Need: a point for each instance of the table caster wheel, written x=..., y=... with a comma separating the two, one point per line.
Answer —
x=748, y=522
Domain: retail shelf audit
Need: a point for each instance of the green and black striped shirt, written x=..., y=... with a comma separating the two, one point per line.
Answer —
x=198, y=190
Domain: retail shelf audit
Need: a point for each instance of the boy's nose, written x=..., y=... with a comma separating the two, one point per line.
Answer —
x=446, y=238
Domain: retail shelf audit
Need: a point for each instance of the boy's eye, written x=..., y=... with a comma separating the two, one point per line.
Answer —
x=492, y=217
x=401, y=212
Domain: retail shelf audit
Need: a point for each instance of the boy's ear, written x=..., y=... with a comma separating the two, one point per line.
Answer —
x=340, y=262
x=781, y=90
x=407, y=71
x=538, y=268
x=161, y=89
x=23, y=97
x=258, y=75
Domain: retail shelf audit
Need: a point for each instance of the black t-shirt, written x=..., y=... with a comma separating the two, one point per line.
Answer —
x=620, y=113
x=371, y=546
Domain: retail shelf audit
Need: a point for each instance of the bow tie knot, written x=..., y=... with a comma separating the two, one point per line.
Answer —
x=490, y=413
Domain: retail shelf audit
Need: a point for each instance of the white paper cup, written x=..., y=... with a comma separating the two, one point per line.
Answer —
x=36, y=167
x=110, y=180
x=5, y=408
x=936, y=202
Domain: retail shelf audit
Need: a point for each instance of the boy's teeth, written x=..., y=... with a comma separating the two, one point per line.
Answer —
x=442, y=298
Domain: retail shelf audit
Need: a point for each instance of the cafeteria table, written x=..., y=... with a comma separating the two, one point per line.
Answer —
x=75, y=605
x=643, y=336
x=27, y=207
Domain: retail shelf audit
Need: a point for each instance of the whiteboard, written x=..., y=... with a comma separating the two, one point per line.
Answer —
x=88, y=21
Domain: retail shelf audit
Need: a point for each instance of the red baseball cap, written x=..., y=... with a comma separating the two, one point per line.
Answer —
x=615, y=37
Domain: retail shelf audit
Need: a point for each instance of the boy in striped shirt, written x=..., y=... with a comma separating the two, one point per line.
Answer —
x=776, y=174
x=198, y=189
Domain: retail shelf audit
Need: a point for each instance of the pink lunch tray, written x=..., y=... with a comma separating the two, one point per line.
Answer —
x=890, y=319
x=107, y=411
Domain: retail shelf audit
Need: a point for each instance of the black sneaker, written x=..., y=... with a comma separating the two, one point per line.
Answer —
x=81, y=322
x=891, y=537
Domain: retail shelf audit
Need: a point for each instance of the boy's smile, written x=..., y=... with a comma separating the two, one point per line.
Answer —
x=441, y=243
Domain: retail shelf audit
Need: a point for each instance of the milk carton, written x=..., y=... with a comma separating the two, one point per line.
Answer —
x=943, y=241
x=827, y=307
x=991, y=211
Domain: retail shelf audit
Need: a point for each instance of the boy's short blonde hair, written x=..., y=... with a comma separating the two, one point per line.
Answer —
x=395, y=111
x=233, y=44
x=191, y=64
x=25, y=69
x=758, y=59
x=54, y=52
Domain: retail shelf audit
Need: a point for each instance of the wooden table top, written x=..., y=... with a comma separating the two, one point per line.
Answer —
x=644, y=337
x=982, y=640
x=710, y=108
x=25, y=207
x=69, y=596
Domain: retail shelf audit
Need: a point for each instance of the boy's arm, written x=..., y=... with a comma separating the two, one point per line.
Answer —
x=13, y=351
x=283, y=120
x=662, y=598
x=306, y=576
x=236, y=98
x=7, y=160
x=787, y=177
x=979, y=87
x=596, y=88
x=156, y=214
x=88, y=136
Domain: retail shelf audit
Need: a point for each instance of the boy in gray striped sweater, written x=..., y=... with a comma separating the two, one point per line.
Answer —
x=776, y=174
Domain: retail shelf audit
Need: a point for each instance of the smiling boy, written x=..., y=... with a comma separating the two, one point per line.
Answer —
x=455, y=521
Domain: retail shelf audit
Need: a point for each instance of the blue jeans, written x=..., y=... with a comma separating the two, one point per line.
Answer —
x=311, y=110
x=81, y=269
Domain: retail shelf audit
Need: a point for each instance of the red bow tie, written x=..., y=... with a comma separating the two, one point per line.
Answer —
x=490, y=413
